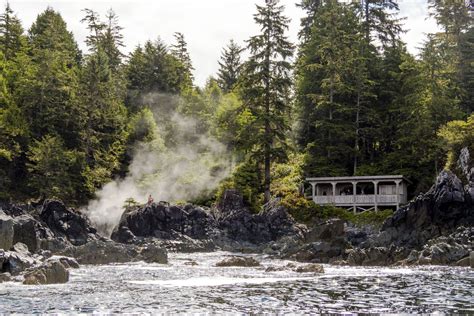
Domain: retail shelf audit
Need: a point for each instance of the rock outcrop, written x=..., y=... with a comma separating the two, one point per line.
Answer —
x=229, y=226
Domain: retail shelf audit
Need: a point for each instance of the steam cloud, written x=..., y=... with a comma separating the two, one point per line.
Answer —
x=192, y=166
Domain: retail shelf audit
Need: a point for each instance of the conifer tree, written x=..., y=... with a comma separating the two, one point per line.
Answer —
x=180, y=50
x=266, y=83
x=230, y=66
x=310, y=7
x=11, y=33
x=113, y=40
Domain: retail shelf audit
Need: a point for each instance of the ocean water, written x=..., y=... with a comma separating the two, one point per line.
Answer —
x=179, y=287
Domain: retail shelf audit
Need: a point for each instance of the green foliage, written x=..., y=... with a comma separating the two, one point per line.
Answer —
x=230, y=67
x=130, y=202
x=457, y=135
x=266, y=84
x=307, y=212
x=246, y=178
x=54, y=170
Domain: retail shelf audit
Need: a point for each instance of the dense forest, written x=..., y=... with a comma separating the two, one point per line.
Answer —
x=347, y=99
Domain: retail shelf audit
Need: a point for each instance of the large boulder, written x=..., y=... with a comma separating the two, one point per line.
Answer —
x=31, y=232
x=152, y=253
x=6, y=231
x=50, y=272
x=164, y=222
x=67, y=222
x=102, y=252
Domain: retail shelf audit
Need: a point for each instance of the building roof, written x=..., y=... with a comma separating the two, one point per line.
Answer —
x=358, y=178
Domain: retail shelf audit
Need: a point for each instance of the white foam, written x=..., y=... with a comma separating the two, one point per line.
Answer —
x=214, y=281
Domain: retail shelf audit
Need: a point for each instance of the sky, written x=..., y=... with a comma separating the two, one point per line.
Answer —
x=207, y=25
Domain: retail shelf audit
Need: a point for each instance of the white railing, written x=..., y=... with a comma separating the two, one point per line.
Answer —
x=387, y=199
x=367, y=199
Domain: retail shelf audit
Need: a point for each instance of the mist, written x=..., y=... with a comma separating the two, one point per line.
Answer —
x=189, y=166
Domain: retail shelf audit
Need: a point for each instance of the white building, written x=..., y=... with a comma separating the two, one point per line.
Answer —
x=371, y=192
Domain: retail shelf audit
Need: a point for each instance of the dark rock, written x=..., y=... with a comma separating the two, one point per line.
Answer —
x=191, y=263
x=231, y=200
x=68, y=223
x=105, y=252
x=328, y=230
x=230, y=226
x=50, y=272
x=153, y=254
x=438, y=212
x=68, y=262
x=376, y=256
x=15, y=263
x=238, y=261
x=101, y=252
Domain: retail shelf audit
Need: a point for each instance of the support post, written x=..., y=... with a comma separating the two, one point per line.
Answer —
x=313, y=191
x=354, y=195
x=397, y=186
x=334, y=192
x=375, y=194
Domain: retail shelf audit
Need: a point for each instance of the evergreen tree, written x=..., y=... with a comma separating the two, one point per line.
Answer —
x=180, y=51
x=266, y=81
x=310, y=7
x=104, y=132
x=379, y=22
x=95, y=27
x=11, y=33
x=330, y=71
x=153, y=73
x=229, y=67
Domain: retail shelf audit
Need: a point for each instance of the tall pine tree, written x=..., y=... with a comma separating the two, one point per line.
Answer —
x=266, y=83
x=230, y=66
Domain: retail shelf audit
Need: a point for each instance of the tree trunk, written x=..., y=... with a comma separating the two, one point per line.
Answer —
x=331, y=100
x=356, y=142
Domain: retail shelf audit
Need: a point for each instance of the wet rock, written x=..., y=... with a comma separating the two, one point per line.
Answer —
x=50, y=272
x=68, y=262
x=6, y=231
x=288, y=266
x=102, y=252
x=15, y=263
x=313, y=268
x=191, y=263
x=464, y=262
x=238, y=261
x=376, y=256
x=320, y=251
x=5, y=277
x=107, y=251
x=153, y=254
x=67, y=222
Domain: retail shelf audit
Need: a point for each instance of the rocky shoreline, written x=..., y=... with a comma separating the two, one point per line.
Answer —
x=39, y=243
